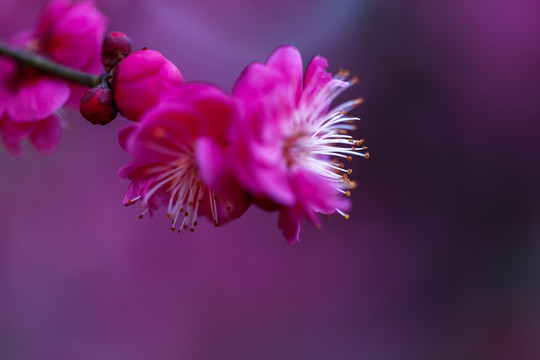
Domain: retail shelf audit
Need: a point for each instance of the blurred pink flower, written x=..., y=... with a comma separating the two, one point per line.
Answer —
x=170, y=144
x=141, y=79
x=286, y=140
x=68, y=33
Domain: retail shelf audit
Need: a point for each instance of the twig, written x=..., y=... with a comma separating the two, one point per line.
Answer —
x=28, y=58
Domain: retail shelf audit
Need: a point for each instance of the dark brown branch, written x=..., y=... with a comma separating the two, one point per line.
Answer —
x=28, y=58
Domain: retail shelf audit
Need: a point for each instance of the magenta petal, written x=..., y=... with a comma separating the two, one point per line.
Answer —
x=135, y=187
x=13, y=133
x=124, y=135
x=38, y=98
x=275, y=184
x=256, y=80
x=76, y=36
x=50, y=14
x=158, y=199
x=213, y=104
x=3, y=102
x=288, y=61
x=289, y=223
x=164, y=132
x=316, y=72
x=132, y=192
x=264, y=98
x=316, y=78
x=215, y=171
x=132, y=170
x=212, y=163
x=46, y=135
x=317, y=193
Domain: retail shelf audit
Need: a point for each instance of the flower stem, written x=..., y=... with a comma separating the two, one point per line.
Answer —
x=28, y=58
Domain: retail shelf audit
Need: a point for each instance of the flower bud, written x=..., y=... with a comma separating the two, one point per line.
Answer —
x=116, y=46
x=97, y=105
x=141, y=80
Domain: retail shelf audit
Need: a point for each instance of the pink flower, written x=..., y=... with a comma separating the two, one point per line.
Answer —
x=67, y=33
x=286, y=142
x=170, y=146
x=141, y=79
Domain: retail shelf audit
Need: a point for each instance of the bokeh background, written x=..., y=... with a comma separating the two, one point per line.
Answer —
x=441, y=256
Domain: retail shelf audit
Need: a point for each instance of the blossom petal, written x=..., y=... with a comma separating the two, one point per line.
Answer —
x=46, y=135
x=316, y=76
x=265, y=105
x=212, y=103
x=124, y=135
x=288, y=61
x=212, y=163
x=317, y=193
x=164, y=132
x=38, y=98
x=76, y=35
x=289, y=223
x=13, y=133
x=216, y=172
x=50, y=14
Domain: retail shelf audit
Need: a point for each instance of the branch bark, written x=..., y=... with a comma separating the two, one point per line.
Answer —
x=28, y=58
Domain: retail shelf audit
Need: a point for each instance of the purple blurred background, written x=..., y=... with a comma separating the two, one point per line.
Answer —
x=441, y=256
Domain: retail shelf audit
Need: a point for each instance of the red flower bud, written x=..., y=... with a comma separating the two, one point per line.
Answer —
x=97, y=105
x=116, y=46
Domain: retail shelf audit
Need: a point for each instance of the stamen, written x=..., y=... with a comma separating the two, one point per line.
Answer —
x=346, y=216
x=346, y=193
x=142, y=214
x=213, y=206
x=133, y=201
x=194, y=220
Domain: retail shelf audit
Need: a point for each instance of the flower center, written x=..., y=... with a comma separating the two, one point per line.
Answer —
x=296, y=148
x=322, y=148
x=179, y=181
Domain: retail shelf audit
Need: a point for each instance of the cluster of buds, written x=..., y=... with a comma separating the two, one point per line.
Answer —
x=97, y=104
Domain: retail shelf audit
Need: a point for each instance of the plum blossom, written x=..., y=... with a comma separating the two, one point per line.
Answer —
x=171, y=145
x=67, y=33
x=287, y=143
x=141, y=80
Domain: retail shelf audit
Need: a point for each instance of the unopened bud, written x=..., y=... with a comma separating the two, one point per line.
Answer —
x=141, y=80
x=116, y=46
x=97, y=105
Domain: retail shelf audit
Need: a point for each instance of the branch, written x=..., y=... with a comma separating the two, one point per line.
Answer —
x=28, y=58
